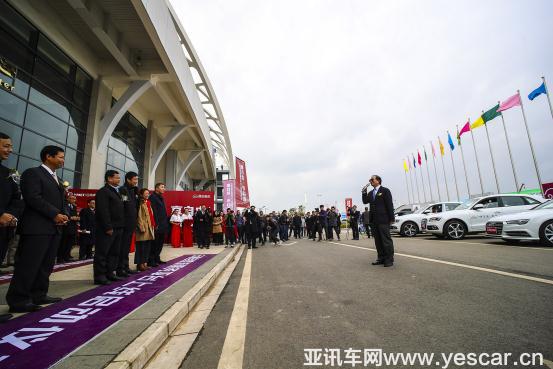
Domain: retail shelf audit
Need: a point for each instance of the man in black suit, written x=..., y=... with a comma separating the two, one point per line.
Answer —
x=110, y=221
x=11, y=204
x=162, y=224
x=41, y=224
x=202, y=221
x=87, y=225
x=354, y=215
x=129, y=193
x=381, y=216
x=69, y=234
x=252, y=222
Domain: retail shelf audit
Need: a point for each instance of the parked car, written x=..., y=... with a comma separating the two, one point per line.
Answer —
x=471, y=217
x=406, y=209
x=410, y=225
x=533, y=225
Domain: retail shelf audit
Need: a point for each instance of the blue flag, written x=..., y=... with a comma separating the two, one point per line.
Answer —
x=537, y=92
x=450, y=141
x=414, y=162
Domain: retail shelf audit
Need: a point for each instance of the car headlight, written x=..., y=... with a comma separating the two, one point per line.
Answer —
x=435, y=219
x=518, y=221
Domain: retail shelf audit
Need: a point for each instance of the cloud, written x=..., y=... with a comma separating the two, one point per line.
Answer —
x=319, y=95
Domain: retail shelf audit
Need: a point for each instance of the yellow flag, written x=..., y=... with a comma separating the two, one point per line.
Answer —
x=441, y=146
x=405, y=166
x=477, y=123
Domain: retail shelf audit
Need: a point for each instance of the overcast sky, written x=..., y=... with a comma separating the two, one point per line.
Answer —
x=318, y=95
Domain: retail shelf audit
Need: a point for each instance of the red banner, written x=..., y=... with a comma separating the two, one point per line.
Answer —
x=349, y=203
x=241, y=190
x=193, y=199
x=229, y=195
x=547, y=190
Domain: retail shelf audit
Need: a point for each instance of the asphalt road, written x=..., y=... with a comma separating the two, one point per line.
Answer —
x=327, y=296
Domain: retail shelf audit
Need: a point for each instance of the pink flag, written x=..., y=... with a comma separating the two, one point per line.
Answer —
x=465, y=129
x=510, y=102
x=433, y=151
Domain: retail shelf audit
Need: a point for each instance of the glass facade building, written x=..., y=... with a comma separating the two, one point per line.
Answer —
x=44, y=97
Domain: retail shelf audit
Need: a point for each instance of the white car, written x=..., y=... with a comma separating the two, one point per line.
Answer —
x=410, y=225
x=534, y=225
x=472, y=216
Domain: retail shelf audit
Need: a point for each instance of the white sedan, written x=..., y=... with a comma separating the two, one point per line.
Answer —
x=410, y=225
x=472, y=216
x=534, y=225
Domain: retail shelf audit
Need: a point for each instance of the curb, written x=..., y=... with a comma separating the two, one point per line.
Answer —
x=137, y=354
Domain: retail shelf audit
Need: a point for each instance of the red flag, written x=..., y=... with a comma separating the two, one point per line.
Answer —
x=466, y=128
x=419, y=159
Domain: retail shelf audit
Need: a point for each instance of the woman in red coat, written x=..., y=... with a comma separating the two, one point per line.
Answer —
x=187, y=221
x=176, y=223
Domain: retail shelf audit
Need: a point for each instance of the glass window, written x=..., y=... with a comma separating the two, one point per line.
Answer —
x=52, y=79
x=490, y=202
x=70, y=159
x=46, y=124
x=80, y=99
x=75, y=139
x=58, y=108
x=31, y=144
x=78, y=119
x=12, y=108
x=68, y=175
x=530, y=201
x=512, y=201
x=26, y=163
x=83, y=81
x=15, y=52
x=16, y=24
x=54, y=55
x=20, y=83
x=13, y=131
x=130, y=166
x=451, y=206
x=116, y=159
x=117, y=144
x=11, y=162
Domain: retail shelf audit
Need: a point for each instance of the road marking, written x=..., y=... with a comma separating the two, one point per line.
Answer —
x=494, y=271
x=293, y=243
x=232, y=355
x=474, y=243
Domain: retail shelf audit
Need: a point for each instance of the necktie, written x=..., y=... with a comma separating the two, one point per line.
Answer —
x=374, y=194
x=55, y=177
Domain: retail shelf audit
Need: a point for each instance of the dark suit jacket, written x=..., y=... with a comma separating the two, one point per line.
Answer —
x=44, y=199
x=10, y=195
x=87, y=223
x=252, y=221
x=110, y=213
x=382, y=207
x=160, y=213
x=71, y=227
x=130, y=203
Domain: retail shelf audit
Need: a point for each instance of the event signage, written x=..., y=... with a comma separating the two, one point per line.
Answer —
x=241, y=185
x=349, y=203
x=229, y=199
x=41, y=339
x=547, y=190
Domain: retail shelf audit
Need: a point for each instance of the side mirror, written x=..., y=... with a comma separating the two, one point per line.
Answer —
x=426, y=212
x=478, y=207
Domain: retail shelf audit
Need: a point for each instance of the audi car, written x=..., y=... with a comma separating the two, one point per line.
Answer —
x=410, y=225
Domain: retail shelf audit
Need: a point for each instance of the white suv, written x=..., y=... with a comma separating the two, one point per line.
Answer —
x=472, y=216
x=410, y=225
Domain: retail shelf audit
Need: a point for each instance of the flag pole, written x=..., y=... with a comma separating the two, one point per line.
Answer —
x=477, y=163
x=491, y=153
x=407, y=184
x=453, y=165
x=422, y=179
x=436, y=172
x=510, y=153
x=445, y=178
x=463, y=157
x=530, y=140
x=428, y=173
x=416, y=180
x=411, y=179
x=548, y=98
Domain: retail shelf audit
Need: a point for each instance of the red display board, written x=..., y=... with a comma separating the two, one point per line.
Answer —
x=547, y=190
x=349, y=203
x=241, y=185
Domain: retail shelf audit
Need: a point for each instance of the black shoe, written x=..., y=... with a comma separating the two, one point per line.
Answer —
x=5, y=317
x=102, y=282
x=123, y=275
x=114, y=278
x=47, y=300
x=164, y=262
x=130, y=272
x=153, y=265
x=388, y=264
x=255, y=247
x=378, y=262
x=27, y=308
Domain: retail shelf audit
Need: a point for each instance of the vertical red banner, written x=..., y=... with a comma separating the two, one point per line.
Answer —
x=241, y=189
x=349, y=203
x=229, y=195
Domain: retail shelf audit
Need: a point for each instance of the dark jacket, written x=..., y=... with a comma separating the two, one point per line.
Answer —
x=333, y=219
x=130, y=204
x=160, y=213
x=354, y=215
x=71, y=226
x=382, y=207
x=252, y=221
x=10, y=195
x=44, y=199
x=87, y=223
x=202, y=221
x=283, y=219
x=110, y=212
x=365, y=216
x=296, y=221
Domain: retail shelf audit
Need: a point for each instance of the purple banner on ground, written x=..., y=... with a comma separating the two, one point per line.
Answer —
x=6, y=278
x=41, y=339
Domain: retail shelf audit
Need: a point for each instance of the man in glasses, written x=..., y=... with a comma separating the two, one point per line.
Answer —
x=381, y=215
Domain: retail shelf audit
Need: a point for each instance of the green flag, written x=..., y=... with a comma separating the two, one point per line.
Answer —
x=491, y=114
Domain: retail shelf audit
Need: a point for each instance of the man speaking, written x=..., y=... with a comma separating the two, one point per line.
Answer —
x=381, y=216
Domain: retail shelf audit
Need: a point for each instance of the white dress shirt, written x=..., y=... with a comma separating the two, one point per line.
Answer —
x=52, y=173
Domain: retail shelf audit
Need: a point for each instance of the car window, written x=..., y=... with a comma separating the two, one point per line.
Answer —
x=451, y=206
x=490, y=202
x=545, y=205
x=436, y=208
x=513, y=201
x=530, y=201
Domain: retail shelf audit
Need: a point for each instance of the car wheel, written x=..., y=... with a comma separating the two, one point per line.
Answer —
x=455, y=230
x=546, y=233
x=409, y=229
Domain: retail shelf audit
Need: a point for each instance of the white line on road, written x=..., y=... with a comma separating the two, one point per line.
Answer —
x=476, y=243
x=232, y=355
x=293, y=243
x=494, y=271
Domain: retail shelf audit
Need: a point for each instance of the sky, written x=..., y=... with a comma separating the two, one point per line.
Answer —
x=319, y=95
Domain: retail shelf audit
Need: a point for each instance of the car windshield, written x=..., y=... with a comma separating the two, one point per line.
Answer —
x=545, y=205
x=467, y=204
x=420, y=210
